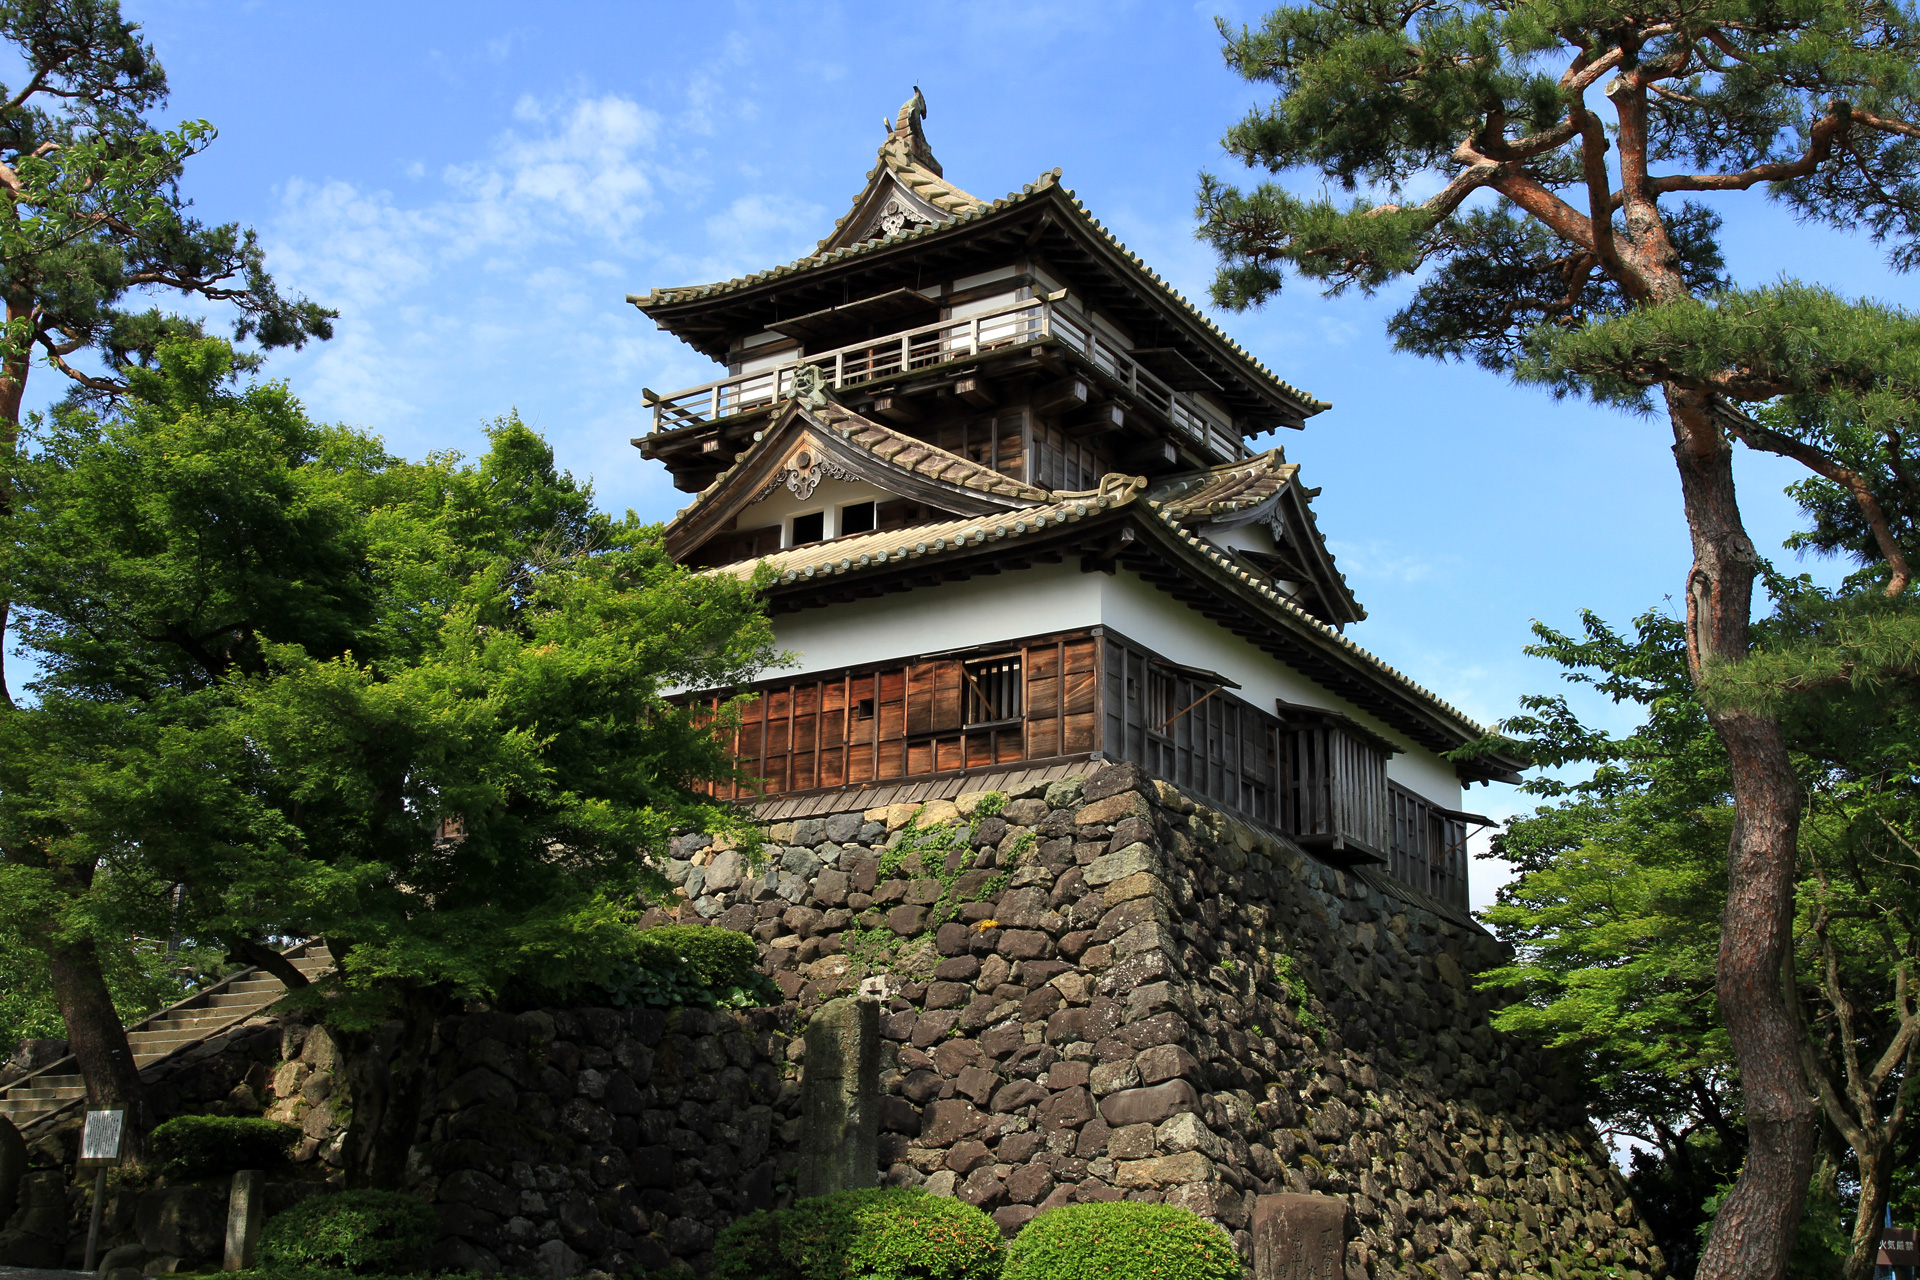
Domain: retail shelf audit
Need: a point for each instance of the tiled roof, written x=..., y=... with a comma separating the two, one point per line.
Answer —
x=844, y=556
x=905, y=156
x=1225, y=489
x=890, y=446
x=977, y=210
x=924, y=459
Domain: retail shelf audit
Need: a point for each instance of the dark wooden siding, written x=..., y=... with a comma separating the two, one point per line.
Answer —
x=1071, y=695
x=1216, y=745
x=1338, y=790
x=919, y=717
x=1429, y=846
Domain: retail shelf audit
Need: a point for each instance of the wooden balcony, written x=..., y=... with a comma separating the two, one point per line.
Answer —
x=1006, y=329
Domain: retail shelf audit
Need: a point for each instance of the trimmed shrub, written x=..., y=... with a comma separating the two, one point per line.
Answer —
x=203, y=1146
x=893, y=1233
x=1099, y=1241
x=690, y=964
x=359, y=1231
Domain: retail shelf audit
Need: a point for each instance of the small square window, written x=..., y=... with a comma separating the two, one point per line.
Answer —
x=993, y=689
x=863, y=709
x=811, y=527
x=856, y=518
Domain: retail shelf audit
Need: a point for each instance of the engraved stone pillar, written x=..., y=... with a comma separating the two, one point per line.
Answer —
x=245, y=1209
x=840, y=1099
x=1299, y=1237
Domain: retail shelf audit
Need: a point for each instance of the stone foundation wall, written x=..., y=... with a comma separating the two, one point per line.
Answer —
x=1100, y=989
x=1089, y=990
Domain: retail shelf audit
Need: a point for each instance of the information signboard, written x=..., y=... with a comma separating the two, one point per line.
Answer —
x=101, y=1138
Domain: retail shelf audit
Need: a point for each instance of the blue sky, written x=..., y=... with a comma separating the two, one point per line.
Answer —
x=477, y=187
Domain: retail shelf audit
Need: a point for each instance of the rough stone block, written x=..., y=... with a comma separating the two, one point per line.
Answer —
x=1149, y=1106
x=967, y=1156
x=1167, y=1062
x=1134, y=859
x=1068, y=1109
x=1163, y=1171
x=1111, y=781
x=1115, y=808
x=726, y=871
x=1299, y=1237
x=945, y=1122
x=1018, y=1094
x=1023, y=944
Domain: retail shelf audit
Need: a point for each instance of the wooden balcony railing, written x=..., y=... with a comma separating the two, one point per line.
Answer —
x=949, y=340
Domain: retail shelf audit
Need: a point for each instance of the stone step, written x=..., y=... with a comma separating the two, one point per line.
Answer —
x=247, y=999
x=28, y=1093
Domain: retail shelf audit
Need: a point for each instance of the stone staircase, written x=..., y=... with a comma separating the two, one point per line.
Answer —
x=229, y=1002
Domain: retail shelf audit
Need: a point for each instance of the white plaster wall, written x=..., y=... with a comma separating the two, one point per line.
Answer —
x=780, y=506
x=951, y=616
x=1060, y=597
x=1143, y=613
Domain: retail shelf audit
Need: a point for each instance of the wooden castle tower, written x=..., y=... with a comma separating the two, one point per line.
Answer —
x=1000, y=471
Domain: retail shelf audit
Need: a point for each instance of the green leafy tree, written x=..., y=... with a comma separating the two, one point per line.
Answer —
x=1623, y=884
x=94, y=224
x=1565, y=144
x=418, y=710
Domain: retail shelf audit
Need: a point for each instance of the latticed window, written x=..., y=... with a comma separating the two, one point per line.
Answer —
x=993, y=689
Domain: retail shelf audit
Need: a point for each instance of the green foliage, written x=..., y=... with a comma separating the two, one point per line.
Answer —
x=878, y=1234
x=676, y=965
x=363, y=1232
x=1494, y=109
x=202, y=1146
x=141, y=976
x=1122, y=1238
x=98, y=221
x=1286, y=971
x=1616, y=916
x=937, y=853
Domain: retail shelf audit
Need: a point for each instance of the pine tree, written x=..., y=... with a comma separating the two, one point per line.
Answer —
x=1562, y=247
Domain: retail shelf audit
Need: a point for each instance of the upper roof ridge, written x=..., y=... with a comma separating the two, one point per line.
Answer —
x=908, y=162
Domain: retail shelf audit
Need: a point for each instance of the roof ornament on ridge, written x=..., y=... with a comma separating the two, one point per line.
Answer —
x=906, y=131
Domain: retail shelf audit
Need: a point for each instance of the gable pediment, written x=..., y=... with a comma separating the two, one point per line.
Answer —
x=806, y=446
x=1264, y=491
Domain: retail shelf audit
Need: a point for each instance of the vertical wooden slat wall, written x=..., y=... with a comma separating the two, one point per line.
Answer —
x=1216, y=744
x=1429, y=849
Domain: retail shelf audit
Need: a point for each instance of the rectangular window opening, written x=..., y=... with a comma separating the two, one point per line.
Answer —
x=811, y=527
x=863, y=709
x=1160, y=703
x=993, y=689
x=857, y=517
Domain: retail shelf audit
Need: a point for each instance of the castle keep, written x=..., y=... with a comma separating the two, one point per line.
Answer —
x=1000, y=471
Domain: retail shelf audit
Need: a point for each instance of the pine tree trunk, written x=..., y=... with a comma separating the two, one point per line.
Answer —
x=13, y=390
x=389, y=1079
x=1754, y=1232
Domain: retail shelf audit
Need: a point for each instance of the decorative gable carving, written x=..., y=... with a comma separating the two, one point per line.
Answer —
x=803, y=471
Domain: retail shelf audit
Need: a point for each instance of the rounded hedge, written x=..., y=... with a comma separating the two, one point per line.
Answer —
x=202, y=1146
x=1101, y=1241
x=364, y=1232
x=893, y=1233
